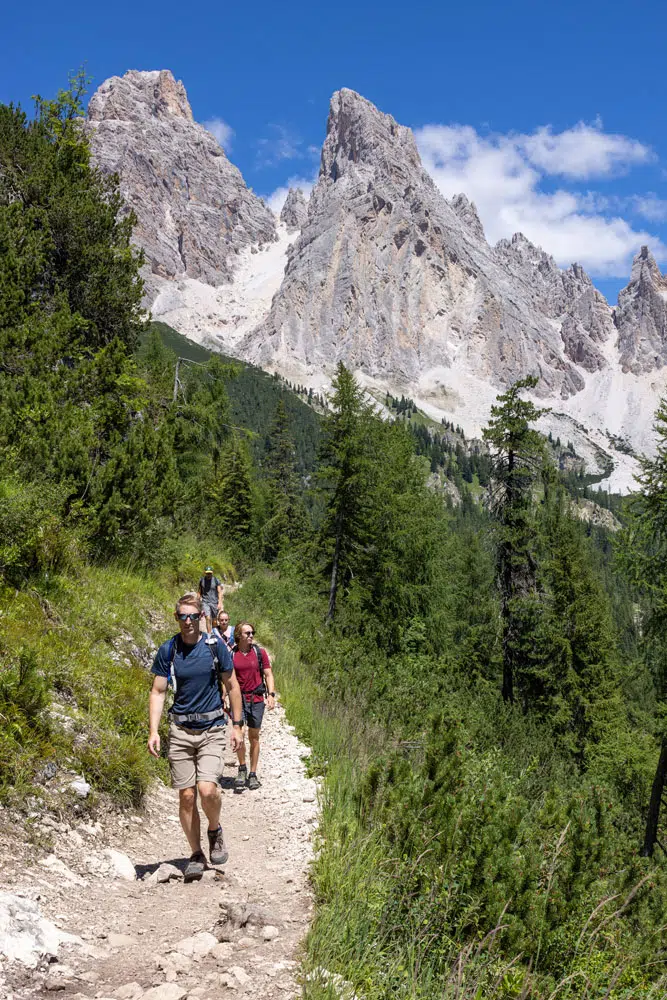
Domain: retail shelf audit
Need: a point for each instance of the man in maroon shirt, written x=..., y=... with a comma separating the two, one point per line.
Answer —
x=255, y=680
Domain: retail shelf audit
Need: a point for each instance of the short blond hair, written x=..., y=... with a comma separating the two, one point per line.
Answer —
x=189, y=598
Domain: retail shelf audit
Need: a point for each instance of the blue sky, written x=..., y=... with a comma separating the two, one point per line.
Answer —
x=547, y=114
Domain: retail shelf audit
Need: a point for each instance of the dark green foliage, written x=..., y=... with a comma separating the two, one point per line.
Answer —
x=518, y=454
x=344, y=479
x=287, y=521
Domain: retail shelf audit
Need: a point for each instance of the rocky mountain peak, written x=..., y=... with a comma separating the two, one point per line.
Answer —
x=467, y=213
x=358, y=133
x=645, y=268
x=295, y=210
x=194, y=211
x=139, y=95
x=641, y=316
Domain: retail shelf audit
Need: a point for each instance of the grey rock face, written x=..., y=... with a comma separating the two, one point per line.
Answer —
x=193, y=208
x=641, y=316
x=388, y=276
x=295, y=210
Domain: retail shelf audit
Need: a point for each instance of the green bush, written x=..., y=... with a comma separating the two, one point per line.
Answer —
x=34, y=537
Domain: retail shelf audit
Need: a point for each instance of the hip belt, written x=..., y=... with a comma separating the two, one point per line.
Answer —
x=218, y=713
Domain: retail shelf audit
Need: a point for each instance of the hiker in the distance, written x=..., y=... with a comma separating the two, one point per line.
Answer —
x=252, y=667
x=223, y=630
x=210, y=591
x=196, y=667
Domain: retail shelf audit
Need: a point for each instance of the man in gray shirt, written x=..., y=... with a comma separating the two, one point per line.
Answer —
x=210, y=591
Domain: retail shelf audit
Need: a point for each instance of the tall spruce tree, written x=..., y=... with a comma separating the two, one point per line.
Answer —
x=343, y=478
x=643, y=554
x=286, y=516
x=518, y=454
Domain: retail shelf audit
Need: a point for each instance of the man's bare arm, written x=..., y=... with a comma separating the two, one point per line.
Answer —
x=155, y=706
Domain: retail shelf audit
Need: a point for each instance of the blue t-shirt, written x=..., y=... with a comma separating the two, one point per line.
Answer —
x=197, y=687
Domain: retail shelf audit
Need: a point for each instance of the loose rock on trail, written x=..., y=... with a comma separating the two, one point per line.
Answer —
x=152, y=936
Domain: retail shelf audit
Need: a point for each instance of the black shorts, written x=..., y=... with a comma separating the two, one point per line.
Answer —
x=253, y=713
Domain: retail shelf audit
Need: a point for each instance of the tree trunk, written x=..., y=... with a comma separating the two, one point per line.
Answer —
x=651, y=833
x=334, y=570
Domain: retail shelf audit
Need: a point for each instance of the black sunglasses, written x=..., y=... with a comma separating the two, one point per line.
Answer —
x=248, y=634
x=183, y=617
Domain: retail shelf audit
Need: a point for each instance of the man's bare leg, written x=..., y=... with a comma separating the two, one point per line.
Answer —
x=189, y=817
x=253, y=736
x=211, y=803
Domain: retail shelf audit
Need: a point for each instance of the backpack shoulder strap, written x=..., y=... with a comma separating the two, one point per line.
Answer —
x=260, y=659
x=172, y=656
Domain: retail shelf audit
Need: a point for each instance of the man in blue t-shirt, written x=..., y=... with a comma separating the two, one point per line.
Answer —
x=197, y=729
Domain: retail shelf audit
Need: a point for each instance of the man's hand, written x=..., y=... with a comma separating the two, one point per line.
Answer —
x=154, y=744
x=237, y=738
x=271, y=702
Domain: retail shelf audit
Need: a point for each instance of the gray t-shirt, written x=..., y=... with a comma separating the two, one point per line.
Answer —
x=208, y=588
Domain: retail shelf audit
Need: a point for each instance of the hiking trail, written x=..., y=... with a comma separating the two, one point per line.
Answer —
x=236, y=930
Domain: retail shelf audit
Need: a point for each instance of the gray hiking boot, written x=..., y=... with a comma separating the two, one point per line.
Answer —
x=241, y=778
x=195, y=867
x=253, y=781
x=217, y=851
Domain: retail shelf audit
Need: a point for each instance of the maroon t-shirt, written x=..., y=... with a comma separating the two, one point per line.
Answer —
x=247, y=672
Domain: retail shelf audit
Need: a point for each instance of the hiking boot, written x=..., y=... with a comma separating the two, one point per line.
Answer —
x=253, y=781
x=241, y=778
x=217, y=851
x=195, y=867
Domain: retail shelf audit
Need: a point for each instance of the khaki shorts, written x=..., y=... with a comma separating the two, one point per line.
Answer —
x=195, y=755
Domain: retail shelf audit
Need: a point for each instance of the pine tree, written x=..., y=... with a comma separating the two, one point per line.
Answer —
x=231, y=497
x=287, y=520
x=343, y=481
x=517, y=453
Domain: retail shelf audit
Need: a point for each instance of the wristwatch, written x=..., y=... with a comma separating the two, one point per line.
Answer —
x=239, y=723
x=272, y=694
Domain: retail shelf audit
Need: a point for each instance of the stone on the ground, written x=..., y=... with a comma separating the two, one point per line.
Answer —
x=81, y=787
x=58, y=977
x=130, y=991
x=197, y=946
x=309, y=797
x=121, y=864
x=174, y=961
x=25, y=935
x=121, y=940
x=222, y=952
x=240, y=975
x=166, y=872
x=54, y=864
x=270, y=933
x=165, y=991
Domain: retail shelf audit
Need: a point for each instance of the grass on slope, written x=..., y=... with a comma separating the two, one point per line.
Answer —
x=74, y=653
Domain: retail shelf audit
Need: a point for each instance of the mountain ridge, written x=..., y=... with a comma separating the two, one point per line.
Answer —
x=380, y=271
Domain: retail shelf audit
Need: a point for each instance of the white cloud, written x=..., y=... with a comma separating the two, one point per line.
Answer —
x=276, y=199
x=651, y=207
x=583, y=151
x=505, y=176
x=223, y=132
x=281, y=145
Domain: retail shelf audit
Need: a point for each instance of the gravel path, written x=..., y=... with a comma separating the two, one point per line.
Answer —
x=237, y=930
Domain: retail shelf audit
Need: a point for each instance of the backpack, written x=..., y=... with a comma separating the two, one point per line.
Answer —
x=213, y=589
